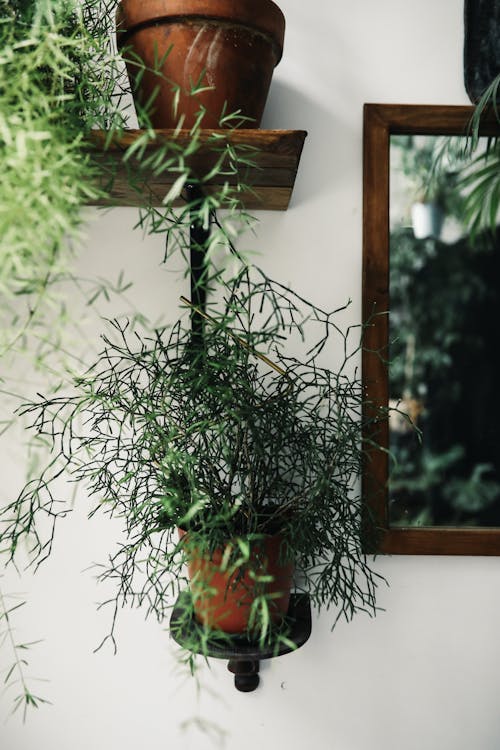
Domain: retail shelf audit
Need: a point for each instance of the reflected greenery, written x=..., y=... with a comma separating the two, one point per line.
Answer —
x=444, y=359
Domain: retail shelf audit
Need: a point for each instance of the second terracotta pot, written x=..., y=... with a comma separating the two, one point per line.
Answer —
x=223, y=598
x=228, y=46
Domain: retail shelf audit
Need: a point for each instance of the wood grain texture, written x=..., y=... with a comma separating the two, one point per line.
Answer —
x=375, y=280
x=440, y=541
x=380, y=121
x=276, y=154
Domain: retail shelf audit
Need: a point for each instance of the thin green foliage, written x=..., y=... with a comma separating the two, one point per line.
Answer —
x=481, y=179
x=461, y=174
x=238, y=433
x=230, y=439
x=14, y=677
x=474, y=164
x=489, y=103
x=61, y=78
x=173, y=214
x=52, y=89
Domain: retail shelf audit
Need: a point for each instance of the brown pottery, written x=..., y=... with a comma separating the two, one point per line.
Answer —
x=223, y=597
x=228, y=46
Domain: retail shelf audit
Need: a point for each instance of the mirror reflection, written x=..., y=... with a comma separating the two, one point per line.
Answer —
x=444, y=289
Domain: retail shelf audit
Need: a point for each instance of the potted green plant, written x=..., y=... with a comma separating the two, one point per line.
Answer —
x=60, y=81
x=227, y=50
x=229, y=450
x=208, y=444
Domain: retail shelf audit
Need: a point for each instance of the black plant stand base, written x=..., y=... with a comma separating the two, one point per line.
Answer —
x=243, y=655
x=246, y=674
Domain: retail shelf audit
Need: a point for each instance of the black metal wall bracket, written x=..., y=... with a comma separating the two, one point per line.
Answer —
x=243, y=655
x=199, y=235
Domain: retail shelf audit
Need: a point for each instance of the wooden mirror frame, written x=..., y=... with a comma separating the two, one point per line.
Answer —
x=380, y=122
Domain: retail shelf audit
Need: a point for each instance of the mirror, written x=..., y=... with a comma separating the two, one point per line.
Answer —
x=431, y=274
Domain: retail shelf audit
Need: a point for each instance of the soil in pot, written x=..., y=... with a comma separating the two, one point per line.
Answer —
x=230, y=48
x=223, y=596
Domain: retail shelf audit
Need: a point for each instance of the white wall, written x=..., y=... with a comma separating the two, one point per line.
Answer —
x=424, y=674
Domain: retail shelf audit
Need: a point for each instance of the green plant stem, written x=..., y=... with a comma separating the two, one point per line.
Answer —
x=26, y=695
x=29, y=318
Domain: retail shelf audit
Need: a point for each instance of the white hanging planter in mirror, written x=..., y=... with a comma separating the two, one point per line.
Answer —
x=427, y=220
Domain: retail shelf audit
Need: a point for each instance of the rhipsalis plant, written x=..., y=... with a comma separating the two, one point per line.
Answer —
x=241, y=433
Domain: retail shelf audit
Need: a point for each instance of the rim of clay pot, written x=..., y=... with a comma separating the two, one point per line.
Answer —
x=264, y=538
x=262, y=15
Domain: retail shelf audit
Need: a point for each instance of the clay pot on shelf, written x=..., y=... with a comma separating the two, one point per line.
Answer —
x=230, y=47
x=223, y=597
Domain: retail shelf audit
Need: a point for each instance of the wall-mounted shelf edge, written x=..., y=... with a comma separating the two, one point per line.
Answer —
x=275, y=153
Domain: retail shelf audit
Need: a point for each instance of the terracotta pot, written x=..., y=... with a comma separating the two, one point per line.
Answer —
x=223, y=598
x=232, y=46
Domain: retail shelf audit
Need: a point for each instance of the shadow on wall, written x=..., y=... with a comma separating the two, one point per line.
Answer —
x=327, y=153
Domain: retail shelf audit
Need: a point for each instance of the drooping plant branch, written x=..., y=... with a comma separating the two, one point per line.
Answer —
x=60, y=79
x=48, y=94
x=15, y=676
x=473, y=165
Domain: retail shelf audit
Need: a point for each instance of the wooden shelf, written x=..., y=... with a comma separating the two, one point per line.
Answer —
x=276, y=154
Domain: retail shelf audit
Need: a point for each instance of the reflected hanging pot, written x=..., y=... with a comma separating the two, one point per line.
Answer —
x=229, y=47
x=427, y=220
x=223, y=596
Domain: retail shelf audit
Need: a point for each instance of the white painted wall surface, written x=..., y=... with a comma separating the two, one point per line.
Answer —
x=424, y=675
